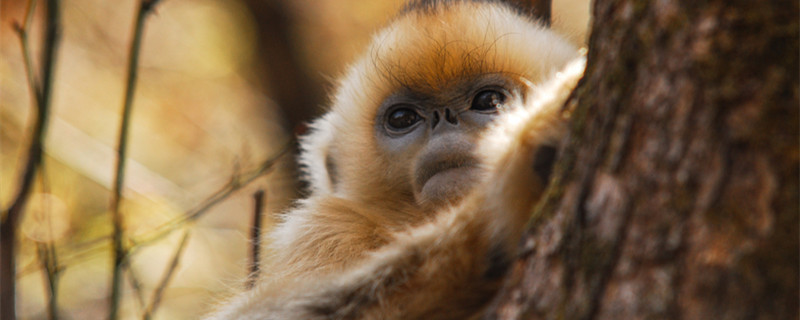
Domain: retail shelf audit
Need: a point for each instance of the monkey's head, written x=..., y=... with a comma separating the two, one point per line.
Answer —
x=406, y=117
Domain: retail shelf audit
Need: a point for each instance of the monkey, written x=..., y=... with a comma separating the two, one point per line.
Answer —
x=423, y=173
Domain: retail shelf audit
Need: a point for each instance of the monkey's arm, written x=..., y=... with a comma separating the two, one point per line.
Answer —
x=445, y=269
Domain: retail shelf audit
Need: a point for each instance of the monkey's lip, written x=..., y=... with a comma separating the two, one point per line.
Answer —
x=447, y=174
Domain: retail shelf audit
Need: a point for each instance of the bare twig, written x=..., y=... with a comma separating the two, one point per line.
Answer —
x=22, y=32
x=255, y=238
x=47, y=253
x=133, y=279
x=145, y=7
x=236, y=183
x=12, y=215
x=47, y=257
x=94, y=248
x=159, y=292
x=98, y=246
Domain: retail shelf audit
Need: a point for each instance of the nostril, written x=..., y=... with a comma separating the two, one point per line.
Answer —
x=450, y=116
x=435, y=119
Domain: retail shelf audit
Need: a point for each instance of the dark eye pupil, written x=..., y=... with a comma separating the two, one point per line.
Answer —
x=488, y=100
x=402, y=118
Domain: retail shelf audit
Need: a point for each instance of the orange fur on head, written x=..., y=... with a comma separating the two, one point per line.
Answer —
x=456, y=42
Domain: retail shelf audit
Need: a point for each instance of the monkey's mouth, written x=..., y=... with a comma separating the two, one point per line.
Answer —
x=447, y=179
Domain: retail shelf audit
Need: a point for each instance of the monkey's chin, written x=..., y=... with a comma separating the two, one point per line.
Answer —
x=448, y=186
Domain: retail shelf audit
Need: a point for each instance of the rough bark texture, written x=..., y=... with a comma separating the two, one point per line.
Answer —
x=677, y=193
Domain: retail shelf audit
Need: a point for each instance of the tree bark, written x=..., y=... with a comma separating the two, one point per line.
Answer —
x=677, y=192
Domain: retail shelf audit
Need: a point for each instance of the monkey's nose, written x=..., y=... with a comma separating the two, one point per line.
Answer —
x=448, y=115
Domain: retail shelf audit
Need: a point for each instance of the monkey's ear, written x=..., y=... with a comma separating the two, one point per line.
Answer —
x=317, y=157
x=539, y=9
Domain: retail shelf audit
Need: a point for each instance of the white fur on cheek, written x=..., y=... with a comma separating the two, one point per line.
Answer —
x=315, y=148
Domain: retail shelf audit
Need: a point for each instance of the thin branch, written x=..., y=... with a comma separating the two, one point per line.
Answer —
x=236, y=183
x=133, y=279
x=159, y=292
x=97, y=246
x=259, y=198
x=145, y=7
x=47, y=253
x=12, y=215
x=22, y=32
x=47, y=257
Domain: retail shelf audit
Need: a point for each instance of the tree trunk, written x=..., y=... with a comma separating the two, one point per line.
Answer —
x=677, y=193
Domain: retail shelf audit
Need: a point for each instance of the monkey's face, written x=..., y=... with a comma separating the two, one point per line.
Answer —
x=431, y=134
x=406, y=116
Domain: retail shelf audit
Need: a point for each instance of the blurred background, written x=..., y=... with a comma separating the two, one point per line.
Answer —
x=223, y=85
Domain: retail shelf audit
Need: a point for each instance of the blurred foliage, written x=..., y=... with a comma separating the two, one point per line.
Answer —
x=204, y=110
x=201, y=115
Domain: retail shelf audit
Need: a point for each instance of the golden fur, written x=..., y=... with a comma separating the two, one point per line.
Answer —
x=360, y=246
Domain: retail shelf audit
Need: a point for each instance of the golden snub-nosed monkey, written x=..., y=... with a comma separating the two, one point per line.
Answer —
x=438, y=143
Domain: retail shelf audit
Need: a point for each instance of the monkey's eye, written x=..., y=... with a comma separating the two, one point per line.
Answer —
x=402, y=118
x=488, y=100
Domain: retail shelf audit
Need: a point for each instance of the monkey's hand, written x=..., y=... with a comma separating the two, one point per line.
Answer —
x=520, y=152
